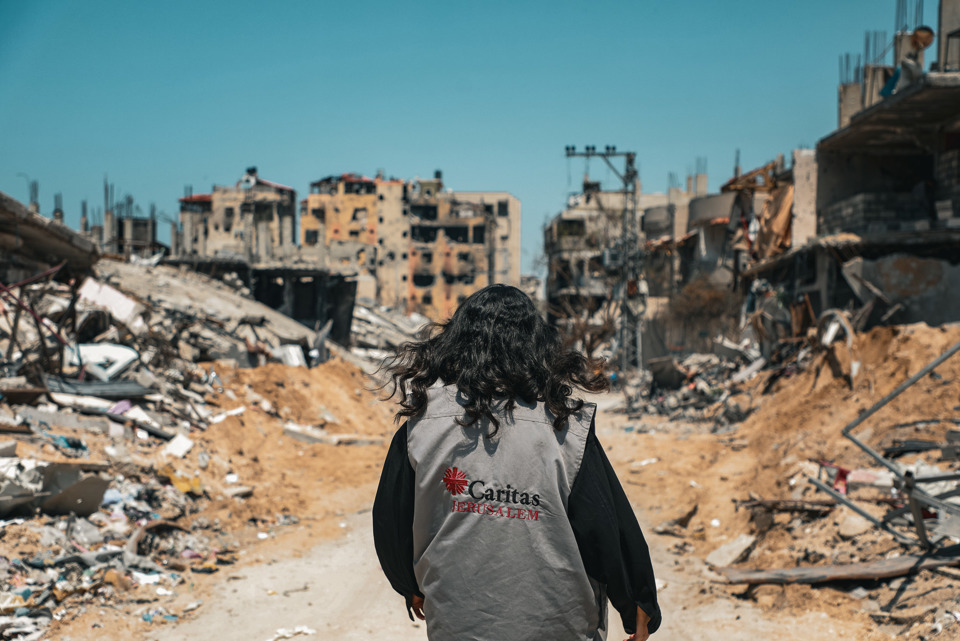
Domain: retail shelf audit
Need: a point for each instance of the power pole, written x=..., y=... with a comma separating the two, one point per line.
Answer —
x=624, y=261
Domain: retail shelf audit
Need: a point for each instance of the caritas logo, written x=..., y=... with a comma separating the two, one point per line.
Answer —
x=455, y=480
x=457, y=483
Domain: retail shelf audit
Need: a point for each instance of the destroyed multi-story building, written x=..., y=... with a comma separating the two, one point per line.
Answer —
x=412, y=245
x=582, y=244
x=353, y=224
x=254, y=220
x=887, y=185
x=247, y=233
x=409, y=245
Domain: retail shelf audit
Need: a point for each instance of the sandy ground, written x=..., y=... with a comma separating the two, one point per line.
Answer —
x=337, y=589
x=320, y=574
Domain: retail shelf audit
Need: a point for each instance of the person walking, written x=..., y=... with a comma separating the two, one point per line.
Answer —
x=498, y=516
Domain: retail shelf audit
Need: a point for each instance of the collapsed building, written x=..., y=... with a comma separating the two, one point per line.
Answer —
x=868, y=222
x=412, y=245
x=887, y=197
x=580, y=244
x=32, y=244
x=246, y=234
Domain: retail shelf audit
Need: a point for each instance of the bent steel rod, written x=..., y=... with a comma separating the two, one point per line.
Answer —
x=886, y=399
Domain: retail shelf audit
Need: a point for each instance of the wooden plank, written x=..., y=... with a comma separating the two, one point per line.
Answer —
x=871, y=570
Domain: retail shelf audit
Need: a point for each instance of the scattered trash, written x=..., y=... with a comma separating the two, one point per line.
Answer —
x=284, y=633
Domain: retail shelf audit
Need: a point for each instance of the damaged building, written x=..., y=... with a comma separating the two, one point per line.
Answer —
x=412, y=245
x=581, y=242
x=255, y=220
x=246, y=234
x=887, y=204
x=32, y=244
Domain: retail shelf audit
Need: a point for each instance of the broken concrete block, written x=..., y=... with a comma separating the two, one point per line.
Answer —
x=62, y=419
x=121, y=307
x=852, y=526
x=178, y=446
x=8, y=449
x=733, y=552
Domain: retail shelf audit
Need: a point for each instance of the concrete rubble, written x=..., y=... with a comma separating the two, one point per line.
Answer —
x=109, y=384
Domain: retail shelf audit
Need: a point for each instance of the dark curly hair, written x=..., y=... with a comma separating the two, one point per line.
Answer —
x=496, y=346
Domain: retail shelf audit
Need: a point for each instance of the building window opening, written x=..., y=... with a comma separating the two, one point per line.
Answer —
x=428, y=299
x=567, y=228
x=423, y=280
x=320, y=213
x=503, y=208
x=595, y=267
x=360, y=215
x=421, y=234
x=359, y=187
x=479, y=235
x=426, y=258
x=457, y=233
x=424, y=212
x=311, y=236
x=228, y=215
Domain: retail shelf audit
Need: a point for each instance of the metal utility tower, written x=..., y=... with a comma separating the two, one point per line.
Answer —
x=624, y=261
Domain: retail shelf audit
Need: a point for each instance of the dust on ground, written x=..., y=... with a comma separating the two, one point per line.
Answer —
x=666, y=469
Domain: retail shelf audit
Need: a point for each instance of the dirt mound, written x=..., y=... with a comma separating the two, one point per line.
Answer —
x=797, y=424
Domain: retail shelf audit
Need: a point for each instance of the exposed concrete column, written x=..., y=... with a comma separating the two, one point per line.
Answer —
x=186, y=244
x=949, y=19
x=263, y=242
x=151, y=232
x=174, y=240
x=804, y=225
x=249, y=231
x=109, y=232
x=849, y=103
x=701, y=185
x=286, y=235
x=128, y=236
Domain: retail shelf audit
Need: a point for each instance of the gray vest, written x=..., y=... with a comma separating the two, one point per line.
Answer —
x=493, y=549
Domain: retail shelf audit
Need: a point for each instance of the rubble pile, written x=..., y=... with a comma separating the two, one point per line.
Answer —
x=138, y=450
x=845, y=476
x=377, y=331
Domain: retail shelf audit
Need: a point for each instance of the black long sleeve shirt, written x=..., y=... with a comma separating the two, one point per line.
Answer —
x=608, y=536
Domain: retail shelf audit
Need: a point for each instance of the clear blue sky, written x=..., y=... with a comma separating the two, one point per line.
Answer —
x=163, y=94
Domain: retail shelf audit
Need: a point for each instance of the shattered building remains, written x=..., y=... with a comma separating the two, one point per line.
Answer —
x=246, y=234
x=887, y=203
x=33, y=244
x=868, y=222
x=254, y=220
x=413, y=246
x=579, y=246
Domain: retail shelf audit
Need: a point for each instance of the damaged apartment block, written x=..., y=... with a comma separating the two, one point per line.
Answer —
x=887, y=203
x=246, y=234
x=412, y=246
